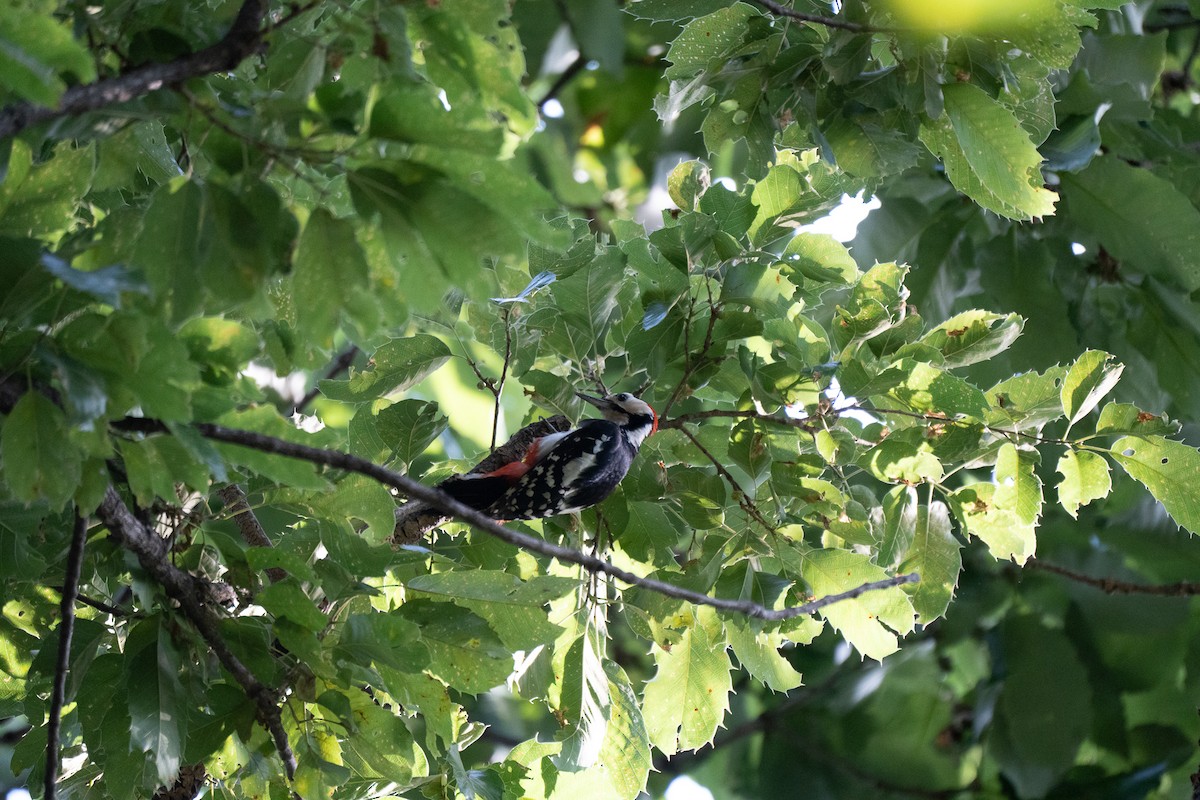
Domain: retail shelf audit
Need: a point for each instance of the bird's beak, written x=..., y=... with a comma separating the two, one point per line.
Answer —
x=596, y=401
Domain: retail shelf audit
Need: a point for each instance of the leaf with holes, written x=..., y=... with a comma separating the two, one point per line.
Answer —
x=1085, y=478
x=1169, y=469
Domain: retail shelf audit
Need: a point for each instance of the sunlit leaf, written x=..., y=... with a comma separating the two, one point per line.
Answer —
x=1087, y=382
x=1085, y=478
x=689, y=695
x=394, y=367
x=1169, y=469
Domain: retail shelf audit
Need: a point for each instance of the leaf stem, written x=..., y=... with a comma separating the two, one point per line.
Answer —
x=66, y=628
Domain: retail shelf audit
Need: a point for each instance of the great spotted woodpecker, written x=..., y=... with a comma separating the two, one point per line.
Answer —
x=563, y=472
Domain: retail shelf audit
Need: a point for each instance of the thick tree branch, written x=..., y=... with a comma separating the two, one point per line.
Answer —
x=242, y=39
x=66, y=628
x=532, y=544
x=251, y=529
x=189, y=593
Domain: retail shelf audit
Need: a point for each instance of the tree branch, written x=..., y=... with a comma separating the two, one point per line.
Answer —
x=1113, y=586
x=562, y=80
x=242, y=39
x=252, y=530
x=451, y=507
x=188, y=592
x=416, y=518
x=743, y=500
x=696, y=416
x=780, y=10
x=339, y=366
x=66, y=628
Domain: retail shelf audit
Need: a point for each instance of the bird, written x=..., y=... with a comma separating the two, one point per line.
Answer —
x=563, y=472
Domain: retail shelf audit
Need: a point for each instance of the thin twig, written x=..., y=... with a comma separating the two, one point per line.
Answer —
x=339, y=366
x=696, y=416
x=251, y=529
x=562, y=80
x=499, y=387
x=66, y=628
x=187, y=591
x=1113, y=586
x=418, y=491
x=743, y=500
x=692, y=364
x=96, y=604
x=829, y=22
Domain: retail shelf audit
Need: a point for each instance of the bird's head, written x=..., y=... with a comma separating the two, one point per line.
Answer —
x=634, y=416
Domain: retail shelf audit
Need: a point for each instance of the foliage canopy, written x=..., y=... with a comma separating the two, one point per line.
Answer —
x=442, y=218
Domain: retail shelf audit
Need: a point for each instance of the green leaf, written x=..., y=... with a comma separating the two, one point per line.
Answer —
x=1140, y=218
x=385, y=640
x=1169, y=469
x=758, y=653
x=40, y=462
x=156, y=702
x=974, y=336
x=935, y=556
x=1085, y=478
x=1029, y=400
x=464, y=651
x=401, y=430
x=388, y=750
x=394, y=367
x=1004, y=514
x=290, y=472
x=502, y=186
x=1045, y=707
x=869, y=622
x=584, y=702
x=359, y=497
x=898, y=520
x=42, y=199
x=894, y=460
x=673, y=10
x=1017, y=485
x=156, y=464
x=1123, y=418
x=688, y=696
x=818, y=261
x=1089, y=379
x=329, y=267
x=515, y=609
x=930, y=390
x=34, y=48
x=287, y=600
x=707, y=39
x=988, y=156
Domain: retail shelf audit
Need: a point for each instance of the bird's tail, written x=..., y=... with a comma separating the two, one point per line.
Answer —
x=477, y=491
